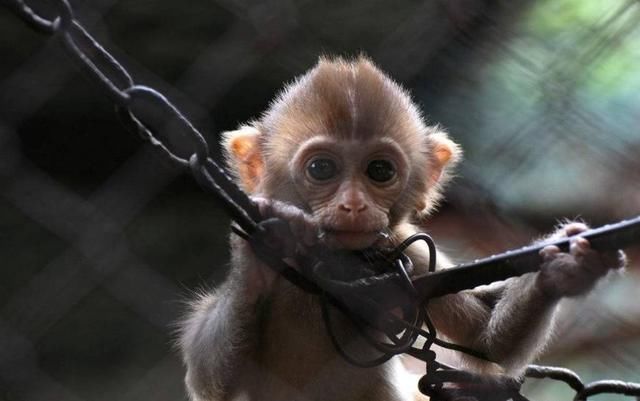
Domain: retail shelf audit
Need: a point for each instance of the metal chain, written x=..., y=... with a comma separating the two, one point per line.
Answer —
x=150, y=114
x=144, y=110
x=583, y=391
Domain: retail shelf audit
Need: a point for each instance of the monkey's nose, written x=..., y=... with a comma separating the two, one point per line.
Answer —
x=355, y=208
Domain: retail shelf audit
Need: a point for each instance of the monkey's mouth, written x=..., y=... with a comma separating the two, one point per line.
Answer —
x=351, y=239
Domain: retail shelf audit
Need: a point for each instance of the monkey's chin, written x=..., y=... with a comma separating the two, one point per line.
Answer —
x=353, y=240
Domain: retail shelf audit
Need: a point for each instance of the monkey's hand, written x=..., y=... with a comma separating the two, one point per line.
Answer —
x=576, y=272
x=296, y=231
x=285, y=229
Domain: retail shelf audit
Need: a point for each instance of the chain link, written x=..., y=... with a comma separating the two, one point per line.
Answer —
x=583, y=391
x=150, y=114
x=144, y=110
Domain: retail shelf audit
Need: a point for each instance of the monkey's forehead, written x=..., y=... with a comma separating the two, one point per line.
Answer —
x=347, y=100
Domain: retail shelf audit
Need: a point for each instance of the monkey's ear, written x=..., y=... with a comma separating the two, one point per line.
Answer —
x=446, y=154
x=242, y=152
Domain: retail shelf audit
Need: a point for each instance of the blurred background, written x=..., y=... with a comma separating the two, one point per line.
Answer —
x=102, y=240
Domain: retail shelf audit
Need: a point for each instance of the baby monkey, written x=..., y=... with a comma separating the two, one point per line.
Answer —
x=346, y=158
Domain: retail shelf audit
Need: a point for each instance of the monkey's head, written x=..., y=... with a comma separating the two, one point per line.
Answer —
x=345, y=143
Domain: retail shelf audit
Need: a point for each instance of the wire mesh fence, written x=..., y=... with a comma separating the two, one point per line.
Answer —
x=102, y=239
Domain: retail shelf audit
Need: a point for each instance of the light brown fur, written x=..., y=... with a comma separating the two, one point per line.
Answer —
x=260, y=338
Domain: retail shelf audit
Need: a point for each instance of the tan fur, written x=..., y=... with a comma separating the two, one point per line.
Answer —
x=354, y=100
x=260, y=338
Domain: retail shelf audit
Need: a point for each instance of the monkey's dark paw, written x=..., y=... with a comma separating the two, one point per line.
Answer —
x=298, y=228
x=575, y=273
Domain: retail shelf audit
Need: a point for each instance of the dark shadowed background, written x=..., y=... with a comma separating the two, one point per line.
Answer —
x=101, y=240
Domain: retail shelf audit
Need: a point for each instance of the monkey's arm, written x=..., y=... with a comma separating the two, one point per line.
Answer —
x=219, y=334
x=510, y=321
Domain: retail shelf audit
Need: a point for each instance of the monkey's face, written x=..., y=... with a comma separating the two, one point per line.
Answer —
x=346, y=144
x=350, y=187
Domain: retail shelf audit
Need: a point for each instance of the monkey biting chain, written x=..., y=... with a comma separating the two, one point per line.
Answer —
x=382, y=302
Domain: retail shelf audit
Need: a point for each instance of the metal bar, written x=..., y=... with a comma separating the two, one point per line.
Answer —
x=515, y=263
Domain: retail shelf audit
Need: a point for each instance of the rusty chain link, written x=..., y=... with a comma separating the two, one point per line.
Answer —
x=143, y=109
x=149, y=113
x=583, y=391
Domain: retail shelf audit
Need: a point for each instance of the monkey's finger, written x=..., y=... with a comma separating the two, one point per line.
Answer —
x=310, y=229
x=304, y=229
x=311, y=234
x=623, y=261
x=614, y=260
x=274, y=208
x=549, y=252
x=575, y=228
x=579, y=246
x=592, y=262
x=264, y=206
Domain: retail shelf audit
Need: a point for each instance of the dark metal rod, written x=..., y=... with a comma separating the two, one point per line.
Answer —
x=514, y=263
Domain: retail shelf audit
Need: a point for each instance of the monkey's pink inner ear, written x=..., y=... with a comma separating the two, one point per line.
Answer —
x=445, y=154
x=245, y=158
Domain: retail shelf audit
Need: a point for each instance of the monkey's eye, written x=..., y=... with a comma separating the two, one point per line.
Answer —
x=322, y=169
x=381, y=170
